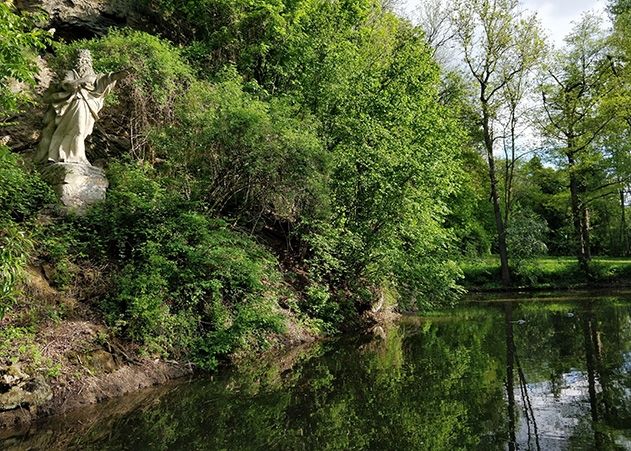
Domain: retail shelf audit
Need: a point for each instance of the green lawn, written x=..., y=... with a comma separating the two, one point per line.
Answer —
x=547, y=272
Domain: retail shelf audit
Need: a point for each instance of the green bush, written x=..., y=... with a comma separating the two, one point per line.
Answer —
x=321, y=305
x=243, y=155
x=21, y=40
x=187, y=284
x=22, y=195
x=22, y=192
x=218, y=32
x=15, y=248
x=136, y=203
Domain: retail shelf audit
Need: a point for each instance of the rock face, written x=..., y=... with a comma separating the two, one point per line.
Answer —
x=18, y=389
x=77, y=185
x=79, y=19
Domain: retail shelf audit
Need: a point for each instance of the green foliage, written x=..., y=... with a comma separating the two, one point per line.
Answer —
x=21, y=40
x=219, y=30
x=470, y=217
x=186, y=284
x=388, y=200
x=22, y=194
x=18, y=345
x=619, y=7
x=136, y=204
x=548, y=272
x=320, y=305
x=15, y=248
x=16, y=338
x=245, y=156
x=326, y=130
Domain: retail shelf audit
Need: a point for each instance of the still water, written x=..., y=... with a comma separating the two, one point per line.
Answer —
x=526, y=374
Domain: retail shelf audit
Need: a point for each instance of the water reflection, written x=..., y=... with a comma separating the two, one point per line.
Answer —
x=512, y=361
x=515, y=376
x=574, y=402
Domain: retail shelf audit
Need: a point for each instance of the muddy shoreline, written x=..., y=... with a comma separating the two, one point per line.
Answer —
x=93, y=367
x=71, y=394
x=92, y=390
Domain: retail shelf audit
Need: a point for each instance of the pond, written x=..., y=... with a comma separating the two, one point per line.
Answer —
x=519, y=374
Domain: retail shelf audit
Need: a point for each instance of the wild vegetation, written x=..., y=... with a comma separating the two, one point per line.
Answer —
x=312, y=159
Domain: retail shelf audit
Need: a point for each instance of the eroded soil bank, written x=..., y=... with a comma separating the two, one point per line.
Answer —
x=70, y=363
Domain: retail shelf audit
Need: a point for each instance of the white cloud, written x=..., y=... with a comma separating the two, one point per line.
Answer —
x=557, y=15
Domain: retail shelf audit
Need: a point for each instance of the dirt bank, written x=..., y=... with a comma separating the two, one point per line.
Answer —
x=51, y=365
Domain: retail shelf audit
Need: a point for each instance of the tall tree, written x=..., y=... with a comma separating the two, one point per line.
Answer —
x=619, y=101
x=573, y=92
x=499, y=45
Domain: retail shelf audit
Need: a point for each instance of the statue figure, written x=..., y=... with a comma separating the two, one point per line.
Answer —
x=72, y=112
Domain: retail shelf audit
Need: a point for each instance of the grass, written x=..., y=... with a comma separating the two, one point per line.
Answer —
x=483, y=274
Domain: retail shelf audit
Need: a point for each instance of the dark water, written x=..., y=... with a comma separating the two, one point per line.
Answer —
x=494, y=375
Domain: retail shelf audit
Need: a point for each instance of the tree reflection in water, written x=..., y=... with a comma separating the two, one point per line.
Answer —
x=472, y=378
x=512, y=360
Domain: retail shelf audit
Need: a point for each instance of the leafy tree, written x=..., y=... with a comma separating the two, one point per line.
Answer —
x=574, y=90
x=21, y=41
x=617, y=102
x=394, y=150
x=542, y=189
x=499, y=46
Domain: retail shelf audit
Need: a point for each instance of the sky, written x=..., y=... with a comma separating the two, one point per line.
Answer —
x=557, y=15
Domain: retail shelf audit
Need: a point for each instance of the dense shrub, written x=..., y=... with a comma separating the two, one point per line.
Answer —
x=20, y=42
x=22, y=194
x=186, y=284
x=244, y=155
x=218, y=32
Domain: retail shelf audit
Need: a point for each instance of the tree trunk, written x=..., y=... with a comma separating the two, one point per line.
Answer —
x=499, y=222
x=579, y=218
x=624, y=240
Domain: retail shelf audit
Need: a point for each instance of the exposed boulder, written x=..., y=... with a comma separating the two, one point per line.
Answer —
x=79, y=19
x=77, y=185
x=18, y=389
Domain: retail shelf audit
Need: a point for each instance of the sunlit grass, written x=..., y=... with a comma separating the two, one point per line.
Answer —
x=548, y=272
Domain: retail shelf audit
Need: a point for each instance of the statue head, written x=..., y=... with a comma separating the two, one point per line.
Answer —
x=84, y=63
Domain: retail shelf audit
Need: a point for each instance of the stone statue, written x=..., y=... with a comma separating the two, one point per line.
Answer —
x=73, y=111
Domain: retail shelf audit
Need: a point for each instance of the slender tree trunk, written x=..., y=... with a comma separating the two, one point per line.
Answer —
x=585, y=231
x=624, y=241
x=499, y=221
x=579, y=218
x=510, y=168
